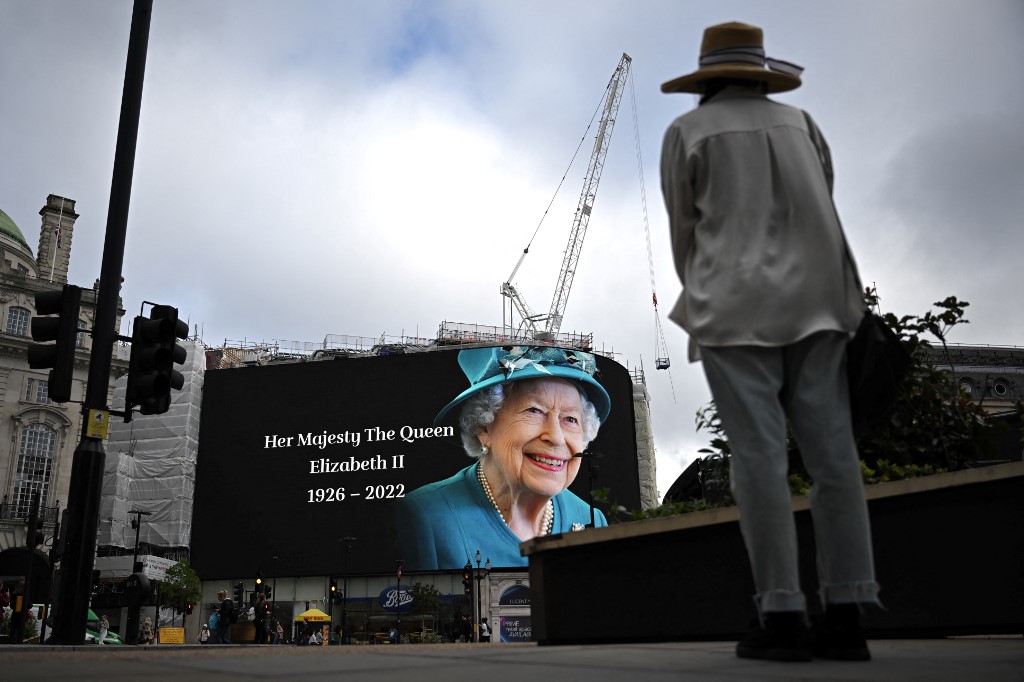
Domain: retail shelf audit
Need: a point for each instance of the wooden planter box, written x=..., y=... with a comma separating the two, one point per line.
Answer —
x=949, y=555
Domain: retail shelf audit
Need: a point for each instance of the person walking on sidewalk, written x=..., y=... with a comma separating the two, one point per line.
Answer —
x=769, y=301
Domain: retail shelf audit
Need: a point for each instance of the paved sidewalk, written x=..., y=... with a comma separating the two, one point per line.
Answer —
x=955, y=660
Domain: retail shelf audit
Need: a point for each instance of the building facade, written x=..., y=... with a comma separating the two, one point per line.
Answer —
x=38, y=437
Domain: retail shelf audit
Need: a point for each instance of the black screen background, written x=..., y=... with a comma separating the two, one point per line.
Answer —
x=251, y=502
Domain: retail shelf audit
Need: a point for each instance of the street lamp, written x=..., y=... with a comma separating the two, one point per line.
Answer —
x=137, y=525
x=273, y=598
x=398, y=598
x=479, y=608
x=134, y=612
x=344, y=593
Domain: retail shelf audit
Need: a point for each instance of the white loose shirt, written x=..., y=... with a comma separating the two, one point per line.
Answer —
x=755, y=236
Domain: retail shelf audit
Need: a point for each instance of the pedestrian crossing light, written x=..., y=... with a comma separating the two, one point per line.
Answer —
x=63, y=329
x=239, y=593
x=151, y=368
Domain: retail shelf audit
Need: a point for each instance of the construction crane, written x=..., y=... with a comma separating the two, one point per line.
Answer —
x=546, y=327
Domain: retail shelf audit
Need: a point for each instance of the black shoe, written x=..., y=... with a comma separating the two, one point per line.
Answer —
x=840, y=636
x=782, y=637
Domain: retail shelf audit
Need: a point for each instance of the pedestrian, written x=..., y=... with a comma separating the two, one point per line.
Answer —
x=227, y=607
x=146, y=634
x=279, y=633
x=260, y=620
x=485, y=631
x=770, y=298
x=204, y=633
x=104, y=629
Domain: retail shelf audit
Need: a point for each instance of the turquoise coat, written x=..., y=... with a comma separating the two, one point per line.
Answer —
x=442, y=525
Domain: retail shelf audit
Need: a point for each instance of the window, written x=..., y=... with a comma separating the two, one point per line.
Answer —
x=37, y=391
x=80, y=335
x=17, y=321
x=35, y=462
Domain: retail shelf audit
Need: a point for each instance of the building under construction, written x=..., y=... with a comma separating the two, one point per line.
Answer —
x=450, y=335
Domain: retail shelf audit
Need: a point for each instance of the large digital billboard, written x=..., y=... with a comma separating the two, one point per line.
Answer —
x=293, y=458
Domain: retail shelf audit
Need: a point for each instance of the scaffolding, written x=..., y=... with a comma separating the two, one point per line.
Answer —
x=151, y=465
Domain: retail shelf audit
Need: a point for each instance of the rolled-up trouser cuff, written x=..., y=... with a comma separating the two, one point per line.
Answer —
x=780, y=600
x=863, y=592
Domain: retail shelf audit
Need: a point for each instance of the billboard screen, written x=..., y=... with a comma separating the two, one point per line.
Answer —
x=295, y=457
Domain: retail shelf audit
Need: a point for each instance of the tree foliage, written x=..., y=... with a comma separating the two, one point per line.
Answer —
x=425, y=600
x=181, y=586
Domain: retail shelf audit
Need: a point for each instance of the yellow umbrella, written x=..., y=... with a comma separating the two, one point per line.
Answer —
x=313, y=616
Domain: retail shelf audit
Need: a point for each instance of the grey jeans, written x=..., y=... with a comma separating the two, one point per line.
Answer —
x=756, y=389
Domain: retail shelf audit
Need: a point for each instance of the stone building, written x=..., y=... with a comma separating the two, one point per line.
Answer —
x=37, y=436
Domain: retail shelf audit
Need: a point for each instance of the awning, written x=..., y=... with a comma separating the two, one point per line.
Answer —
x=313, y=616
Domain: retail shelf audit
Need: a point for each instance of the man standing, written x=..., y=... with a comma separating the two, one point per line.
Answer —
x=227, y=607
x=770, y=298
x=260, y=620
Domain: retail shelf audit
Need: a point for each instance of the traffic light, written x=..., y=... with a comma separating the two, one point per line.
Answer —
x=239, y=594
x=60, y=356
x=33, y=533
x=155, y=352
x=188, y=609
x=467, y=578
x=259, y=583
x=267, y=591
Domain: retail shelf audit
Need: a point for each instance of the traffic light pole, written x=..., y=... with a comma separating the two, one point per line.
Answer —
x=87, y=467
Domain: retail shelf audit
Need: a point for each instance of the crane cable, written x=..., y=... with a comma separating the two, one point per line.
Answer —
x=661, y=347
x=583, y=139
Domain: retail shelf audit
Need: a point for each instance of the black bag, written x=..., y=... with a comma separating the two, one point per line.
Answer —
x=876, y=363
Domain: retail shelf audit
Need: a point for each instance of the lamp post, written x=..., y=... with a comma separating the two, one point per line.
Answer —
x=137, y=525
x=398, y=599
x=486, y=573
x=479, y=607
x=344, y=593
x=273, y=597
x=134, y=612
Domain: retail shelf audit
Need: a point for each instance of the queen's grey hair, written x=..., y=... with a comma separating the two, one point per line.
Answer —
x=480, y=409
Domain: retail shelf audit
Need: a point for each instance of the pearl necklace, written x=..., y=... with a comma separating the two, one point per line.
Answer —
x=549, y=509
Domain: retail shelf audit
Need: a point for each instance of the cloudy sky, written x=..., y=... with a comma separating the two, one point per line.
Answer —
x=309, y=167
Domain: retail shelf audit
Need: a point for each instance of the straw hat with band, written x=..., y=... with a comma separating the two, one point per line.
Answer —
x=486, y=367
x=736, y=50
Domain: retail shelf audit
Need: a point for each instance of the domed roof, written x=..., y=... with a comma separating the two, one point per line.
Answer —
x=10, y=229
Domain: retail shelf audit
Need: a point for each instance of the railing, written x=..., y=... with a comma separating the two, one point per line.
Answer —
x=9, y=511
x=245, y=352
x=460, y=332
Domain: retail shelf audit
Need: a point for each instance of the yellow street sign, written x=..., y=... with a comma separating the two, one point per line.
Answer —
x=99, y=420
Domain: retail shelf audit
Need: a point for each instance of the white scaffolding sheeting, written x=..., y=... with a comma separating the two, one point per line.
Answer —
x=151, y=465
x=645, y=452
